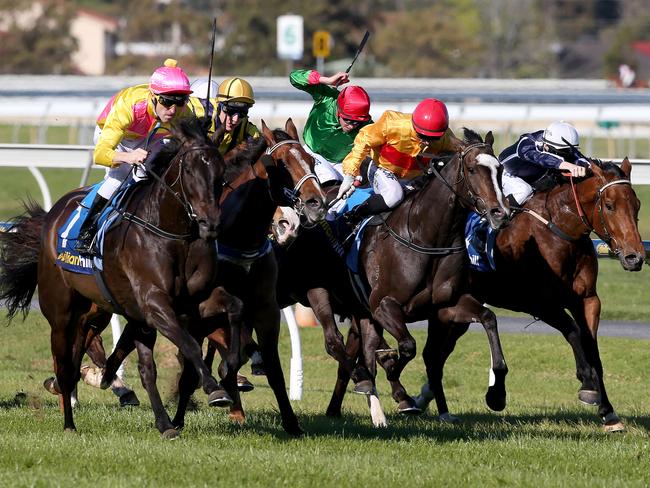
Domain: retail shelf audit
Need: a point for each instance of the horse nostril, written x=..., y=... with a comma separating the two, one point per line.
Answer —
x=497, y=212
x=314, y=203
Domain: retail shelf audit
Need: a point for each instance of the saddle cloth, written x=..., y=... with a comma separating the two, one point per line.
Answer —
x=479, y=240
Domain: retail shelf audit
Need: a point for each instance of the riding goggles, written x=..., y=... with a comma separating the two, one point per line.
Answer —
x=232, y=110
x=352, y=122
x=169, y=100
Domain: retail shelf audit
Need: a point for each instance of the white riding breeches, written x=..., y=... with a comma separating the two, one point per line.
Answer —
x=515, y=186
x=117, y=174
x=324, y=169
x=386, y=184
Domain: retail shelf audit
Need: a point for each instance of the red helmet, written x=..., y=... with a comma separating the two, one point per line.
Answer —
x=354, y=103
x=170, y=79
x=430, y=118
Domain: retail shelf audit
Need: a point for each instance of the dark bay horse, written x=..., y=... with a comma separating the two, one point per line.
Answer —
x=415, y=262
x=260, y=176
x=546, y=266
x=155, y=265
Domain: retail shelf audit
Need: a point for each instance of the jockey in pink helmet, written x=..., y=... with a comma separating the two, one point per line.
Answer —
x=334, y=120
x=130, y=126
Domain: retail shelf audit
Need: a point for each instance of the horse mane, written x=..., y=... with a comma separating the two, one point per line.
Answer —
x=189, y=128
x=242, y=156
x=609, y=167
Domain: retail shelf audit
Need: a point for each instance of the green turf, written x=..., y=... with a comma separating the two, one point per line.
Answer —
x=543, y=438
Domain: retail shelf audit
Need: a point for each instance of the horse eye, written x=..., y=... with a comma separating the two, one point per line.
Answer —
x=472, y=170
x=609, y=206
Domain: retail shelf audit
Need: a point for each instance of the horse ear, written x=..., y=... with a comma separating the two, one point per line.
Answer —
x=290, y=128
x=489, y=138
x=268, y=134
x=626, y=166
x=596, y=169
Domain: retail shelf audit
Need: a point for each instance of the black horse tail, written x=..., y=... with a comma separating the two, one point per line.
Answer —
x=19, y=250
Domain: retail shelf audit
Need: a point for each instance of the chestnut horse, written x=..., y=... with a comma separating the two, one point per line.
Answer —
x=546, y=265
x=256, y=184
x=155, y=265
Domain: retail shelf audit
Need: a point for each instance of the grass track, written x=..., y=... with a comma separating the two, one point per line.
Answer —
x=544, y=437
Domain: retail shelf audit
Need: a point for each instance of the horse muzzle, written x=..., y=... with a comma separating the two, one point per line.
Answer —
x=631, y=261
x=497, y=217
x=207, y=229
x=314, y=210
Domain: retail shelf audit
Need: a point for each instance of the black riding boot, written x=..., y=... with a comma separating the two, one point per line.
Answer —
x=89, y=227
x=373, y=206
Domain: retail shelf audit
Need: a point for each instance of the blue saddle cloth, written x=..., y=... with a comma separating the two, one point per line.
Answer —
x=67, y=257
x=479, y=240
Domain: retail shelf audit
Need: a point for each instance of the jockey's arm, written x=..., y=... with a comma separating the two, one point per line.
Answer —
x=528, y=151
x=370, y=137
x=113, y=131
x=310, y=81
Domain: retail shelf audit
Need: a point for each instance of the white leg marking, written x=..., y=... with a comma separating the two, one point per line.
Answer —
x=376, y=412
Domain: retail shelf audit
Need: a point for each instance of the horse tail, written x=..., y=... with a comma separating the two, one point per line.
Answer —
x=19, y=251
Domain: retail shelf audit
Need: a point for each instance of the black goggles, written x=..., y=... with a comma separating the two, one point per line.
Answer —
x=169, y=100
x=232, y=111
x=428, y=139
x=352, y=121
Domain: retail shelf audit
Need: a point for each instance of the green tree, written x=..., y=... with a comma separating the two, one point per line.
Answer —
x=42, y=44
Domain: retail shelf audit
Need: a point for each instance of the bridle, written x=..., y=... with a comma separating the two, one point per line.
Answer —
x=598, y=206
x=181, y=195
x=293, y=195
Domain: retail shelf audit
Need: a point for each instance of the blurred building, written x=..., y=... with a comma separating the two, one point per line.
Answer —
x=96, y=39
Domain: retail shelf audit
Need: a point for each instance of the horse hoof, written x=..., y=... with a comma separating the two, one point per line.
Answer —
x=333, y=413
x=408, y=407
x=364, y=387
x=589, y=397
x=71, y=430
x=237, y=417
x=244, y=385
x=421, y=402
x=495, y=401
x=219, y=398
x=447, y=418
x=612, y=423
x=129, y=399
x=50, y=385
x=294, y=430
x=170, y=434
x=386, y=354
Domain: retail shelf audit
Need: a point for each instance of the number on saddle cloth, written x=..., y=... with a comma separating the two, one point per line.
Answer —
x=479, y=241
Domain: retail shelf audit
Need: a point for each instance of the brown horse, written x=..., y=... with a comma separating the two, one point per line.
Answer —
x=155, y=266
x=415, y=261
x=546, y=265
x=256, y=184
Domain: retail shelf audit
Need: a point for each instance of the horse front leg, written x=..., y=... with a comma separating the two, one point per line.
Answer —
x=468, y=310
x=390, y=316
x=334, y=345
x=588, y=322
x=158, y=313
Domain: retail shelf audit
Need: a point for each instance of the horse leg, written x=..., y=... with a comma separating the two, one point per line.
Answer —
x=267, y=326
x=352, y=347
x=125, y=345
x=441, y=341
x=588, y=318
x=187, y=384
x=334, y=345
x=97, y=354
x=159, y=314
x=144, y=343
x=390, y=316
x=586, y=374
x=468, y=310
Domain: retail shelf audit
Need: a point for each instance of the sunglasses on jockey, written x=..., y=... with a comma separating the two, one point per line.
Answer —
x=168, y=100
x=237, y=108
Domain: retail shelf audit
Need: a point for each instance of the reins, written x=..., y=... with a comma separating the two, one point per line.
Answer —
x=187, y=206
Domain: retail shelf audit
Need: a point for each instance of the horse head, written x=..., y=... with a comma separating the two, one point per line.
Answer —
x=195, y=176
x=285, y=225
x=615, y=210
x=295, y=168
x=480, y=176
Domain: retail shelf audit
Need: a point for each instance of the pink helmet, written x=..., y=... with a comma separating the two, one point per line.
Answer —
x=354, y=103
x=430, y=118
x=170, y=79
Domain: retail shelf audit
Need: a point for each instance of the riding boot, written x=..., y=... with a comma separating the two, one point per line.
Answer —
x=373, y=206
x=89, y=226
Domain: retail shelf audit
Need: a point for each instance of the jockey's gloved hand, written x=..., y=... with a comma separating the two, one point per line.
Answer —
x=575, y=170
x=346, y=185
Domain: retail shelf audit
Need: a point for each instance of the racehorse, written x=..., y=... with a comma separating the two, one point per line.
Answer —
x=156, y=267
x=260, y=176
x=546, y=264
x=415, y=261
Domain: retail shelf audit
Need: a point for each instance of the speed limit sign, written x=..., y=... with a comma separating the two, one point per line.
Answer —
x=290, y=37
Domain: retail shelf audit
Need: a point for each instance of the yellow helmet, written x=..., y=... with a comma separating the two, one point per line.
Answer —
x=236, y=90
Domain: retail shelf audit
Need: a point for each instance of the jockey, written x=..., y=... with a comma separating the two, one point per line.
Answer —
x=123, y=129
x=396, y=139
x=334, y=120
x=531, y=163
x=229, y=105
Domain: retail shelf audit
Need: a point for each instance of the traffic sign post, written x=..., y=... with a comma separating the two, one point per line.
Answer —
x=290, y=37
x=320, y=48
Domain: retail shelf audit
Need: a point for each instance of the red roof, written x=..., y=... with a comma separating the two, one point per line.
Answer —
x=642, y=47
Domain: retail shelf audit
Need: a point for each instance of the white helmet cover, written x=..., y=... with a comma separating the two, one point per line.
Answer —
x=561, y=135
x=200, y=88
